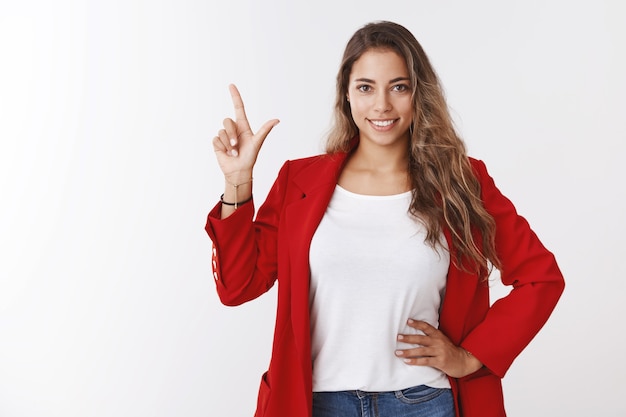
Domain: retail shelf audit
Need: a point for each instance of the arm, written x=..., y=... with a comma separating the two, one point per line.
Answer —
x=512, y=322
x=245, y=252
x=243, y=258
x=532, y=271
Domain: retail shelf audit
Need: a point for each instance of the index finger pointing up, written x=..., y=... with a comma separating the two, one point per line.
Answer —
x=240, y=112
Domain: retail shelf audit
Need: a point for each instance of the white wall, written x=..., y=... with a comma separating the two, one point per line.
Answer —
x=107, y=109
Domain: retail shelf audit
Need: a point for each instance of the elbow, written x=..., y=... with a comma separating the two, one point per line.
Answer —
x=230, y=298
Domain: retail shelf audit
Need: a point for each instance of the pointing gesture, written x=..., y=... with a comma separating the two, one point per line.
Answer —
x=236, y=146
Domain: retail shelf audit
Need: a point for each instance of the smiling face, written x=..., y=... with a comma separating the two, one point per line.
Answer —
x=379, y=93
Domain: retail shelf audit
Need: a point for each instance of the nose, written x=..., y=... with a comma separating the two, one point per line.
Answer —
x=382, y=104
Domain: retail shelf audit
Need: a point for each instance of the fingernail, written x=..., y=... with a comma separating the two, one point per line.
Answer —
x=234, y=152
x=233, y=142
x=399, y=352
x=407, y=360
x=410, y=321
x=400, y=337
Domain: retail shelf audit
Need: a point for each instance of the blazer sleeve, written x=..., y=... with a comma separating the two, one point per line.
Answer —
x=244, y=258
x=532, y=272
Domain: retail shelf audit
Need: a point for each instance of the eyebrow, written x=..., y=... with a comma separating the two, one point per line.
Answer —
x=395, y=80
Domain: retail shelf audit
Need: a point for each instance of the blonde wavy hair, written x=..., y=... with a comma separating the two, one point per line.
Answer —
x=446, y=192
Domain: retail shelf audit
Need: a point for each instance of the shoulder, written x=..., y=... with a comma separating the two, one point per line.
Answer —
x=480, y=171
x=325, y=158
x=478, y=166
x=312, y=171
x=302, y=162
x=321, y=161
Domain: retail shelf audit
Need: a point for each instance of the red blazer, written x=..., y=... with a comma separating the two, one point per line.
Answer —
x=249, y=256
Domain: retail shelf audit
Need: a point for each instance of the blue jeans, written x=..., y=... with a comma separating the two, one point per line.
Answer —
x=420, y=401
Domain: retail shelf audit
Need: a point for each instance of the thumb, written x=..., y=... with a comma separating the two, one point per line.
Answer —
x=264, y=130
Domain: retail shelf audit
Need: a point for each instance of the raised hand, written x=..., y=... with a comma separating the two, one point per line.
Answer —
x=236, y=146
x=436, y=350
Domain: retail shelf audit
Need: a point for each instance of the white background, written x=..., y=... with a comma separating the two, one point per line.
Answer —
x=107, y=109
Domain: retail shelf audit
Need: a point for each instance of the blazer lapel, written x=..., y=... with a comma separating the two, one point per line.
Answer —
x=315, y=185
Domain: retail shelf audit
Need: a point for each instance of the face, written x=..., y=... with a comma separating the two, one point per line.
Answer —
x=379, y=93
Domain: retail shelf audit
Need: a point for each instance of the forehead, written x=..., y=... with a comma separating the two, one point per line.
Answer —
x=379, y=65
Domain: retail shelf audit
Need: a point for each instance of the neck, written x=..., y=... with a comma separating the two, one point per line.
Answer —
x=376, y=170
x=380, y=158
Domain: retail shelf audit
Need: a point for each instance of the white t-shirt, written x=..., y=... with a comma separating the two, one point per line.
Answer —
x=371, y=270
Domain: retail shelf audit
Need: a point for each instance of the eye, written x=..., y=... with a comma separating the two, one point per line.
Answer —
x=400, y=88
x=364, y=88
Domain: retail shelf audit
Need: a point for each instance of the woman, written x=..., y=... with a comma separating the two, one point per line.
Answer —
x=382, y=248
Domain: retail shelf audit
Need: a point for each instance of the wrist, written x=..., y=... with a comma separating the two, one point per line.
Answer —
x=236, y=204
x=236, y=193
x=238, y=178
x=472, y=363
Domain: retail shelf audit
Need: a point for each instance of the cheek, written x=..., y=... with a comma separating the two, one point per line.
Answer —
x=357, y=107
x=403, y=104
x=357, y=116
x=407, y=106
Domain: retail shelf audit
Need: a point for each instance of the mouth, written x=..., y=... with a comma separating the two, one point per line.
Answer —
x=382, y=125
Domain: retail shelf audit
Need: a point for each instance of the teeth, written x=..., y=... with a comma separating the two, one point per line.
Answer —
x=382, y=123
